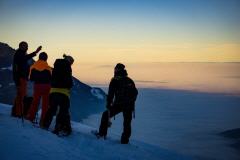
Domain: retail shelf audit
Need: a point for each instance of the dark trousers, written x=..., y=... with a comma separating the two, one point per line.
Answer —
x=63, y=117
x=127, y=118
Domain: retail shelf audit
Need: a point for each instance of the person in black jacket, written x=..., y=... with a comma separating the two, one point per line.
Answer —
x=20, y=75
x=61, y=84
x=121, y=97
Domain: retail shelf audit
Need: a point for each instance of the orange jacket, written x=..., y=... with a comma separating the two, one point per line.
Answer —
x=40, y=72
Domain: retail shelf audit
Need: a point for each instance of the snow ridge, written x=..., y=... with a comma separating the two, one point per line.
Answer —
x=24, y=141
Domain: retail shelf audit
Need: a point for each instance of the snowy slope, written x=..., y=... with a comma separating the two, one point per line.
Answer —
x=24, y=141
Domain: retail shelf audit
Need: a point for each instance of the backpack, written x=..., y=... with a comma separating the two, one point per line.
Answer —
x=62, y=74
x=126, y=93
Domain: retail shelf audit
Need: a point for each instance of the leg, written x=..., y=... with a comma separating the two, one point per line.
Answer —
x=45, y=102
x=127, y=116
x=104, y=120
x=63, y=114
x=34, y=107
x=21, y=93
x=53, y=104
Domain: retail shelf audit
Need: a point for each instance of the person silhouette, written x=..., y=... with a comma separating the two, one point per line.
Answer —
x=40, y=74
x=61, y=84
x=20, y=75
x=121, y=97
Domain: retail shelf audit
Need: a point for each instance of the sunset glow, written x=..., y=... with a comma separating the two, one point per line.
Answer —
x=107, y=32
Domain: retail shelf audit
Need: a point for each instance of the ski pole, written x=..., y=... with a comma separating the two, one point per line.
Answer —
x=36, y=118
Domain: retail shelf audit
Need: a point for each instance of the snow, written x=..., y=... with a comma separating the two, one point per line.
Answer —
x=7, y=68
x=24, y=141
x=96, y=92
x=11, y=84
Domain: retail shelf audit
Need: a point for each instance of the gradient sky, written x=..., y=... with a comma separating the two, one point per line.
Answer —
x=126, y=31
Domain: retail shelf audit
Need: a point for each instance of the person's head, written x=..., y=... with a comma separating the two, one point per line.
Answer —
x=23, y=46
x=120, y=70
x=119, y=67
x=43, y=56
x=68, y=58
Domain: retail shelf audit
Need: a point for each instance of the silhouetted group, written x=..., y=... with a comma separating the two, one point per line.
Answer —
x=52, y=87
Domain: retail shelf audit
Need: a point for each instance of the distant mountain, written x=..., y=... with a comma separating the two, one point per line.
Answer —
x=85, y=100
x=6, y=55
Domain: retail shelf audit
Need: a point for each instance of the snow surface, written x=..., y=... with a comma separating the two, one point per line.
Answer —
x=7, y=68
x=24, y=141
x=96, y=92
x=11, y=84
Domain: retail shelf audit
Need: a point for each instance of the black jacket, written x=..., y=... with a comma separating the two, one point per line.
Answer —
x=40, y=72
x=122, y=91
x=62, y=74
x=20, y=65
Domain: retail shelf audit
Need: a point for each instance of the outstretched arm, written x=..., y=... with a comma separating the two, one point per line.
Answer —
x=33, y=54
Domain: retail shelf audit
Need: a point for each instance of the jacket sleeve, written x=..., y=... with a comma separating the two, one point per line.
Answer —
x=16, y=76
x=31, y=55
x=68, y=76
x=134, y=90
x=111, y=92
x=70, y=79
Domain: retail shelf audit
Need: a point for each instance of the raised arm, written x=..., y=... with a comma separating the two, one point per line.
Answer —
x=111, y=92
x=33, y=54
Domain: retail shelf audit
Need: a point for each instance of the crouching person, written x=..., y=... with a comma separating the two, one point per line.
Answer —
x=59, y=99
x=121, y=97
x=40, y=74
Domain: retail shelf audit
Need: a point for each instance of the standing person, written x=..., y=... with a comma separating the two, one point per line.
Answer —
x=20, y=74
x=121, y=97
x=40, y=74
x=59, y=96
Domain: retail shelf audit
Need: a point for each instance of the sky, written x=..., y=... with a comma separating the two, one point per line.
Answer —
x=132, y=31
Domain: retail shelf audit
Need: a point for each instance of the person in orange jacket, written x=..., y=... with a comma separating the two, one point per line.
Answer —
x=40, y=74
